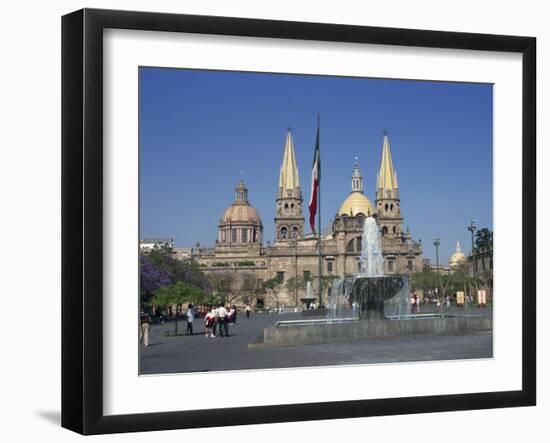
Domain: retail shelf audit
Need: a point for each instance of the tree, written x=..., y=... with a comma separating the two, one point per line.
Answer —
x=249, y=287
x=484, y=240
x=222, y=284
x=176, y=295
x=293, y=285
x=151, y=278
x=159, y=268
x=274, y=285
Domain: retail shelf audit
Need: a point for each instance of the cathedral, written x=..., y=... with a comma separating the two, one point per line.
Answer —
x=294, y=254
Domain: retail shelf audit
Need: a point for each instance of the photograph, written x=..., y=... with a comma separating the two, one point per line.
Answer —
x=294, y=221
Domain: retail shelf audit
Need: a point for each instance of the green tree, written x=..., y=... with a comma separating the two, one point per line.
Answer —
x=176, y=295
x=249, y=287
x=222, y=286
x=484, y=240
x=274, y=285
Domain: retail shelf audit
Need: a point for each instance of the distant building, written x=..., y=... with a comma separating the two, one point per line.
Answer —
x=150, y=243
x=240, y=252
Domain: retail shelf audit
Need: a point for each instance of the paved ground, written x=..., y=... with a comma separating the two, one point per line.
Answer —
x=199, y=353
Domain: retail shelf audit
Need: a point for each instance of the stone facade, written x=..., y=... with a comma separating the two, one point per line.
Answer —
x=296, y=254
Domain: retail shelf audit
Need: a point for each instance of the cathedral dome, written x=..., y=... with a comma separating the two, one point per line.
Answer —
x=240, y=224
x=356, y=203
x=458, y=257
x=239, y=213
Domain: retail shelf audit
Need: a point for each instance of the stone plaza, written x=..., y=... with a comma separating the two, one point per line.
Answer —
x=242, y=350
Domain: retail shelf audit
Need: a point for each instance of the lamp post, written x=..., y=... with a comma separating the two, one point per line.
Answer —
x=472, y=228
x=294, y=244
x=437, y=242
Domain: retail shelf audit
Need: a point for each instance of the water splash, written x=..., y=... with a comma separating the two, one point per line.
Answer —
x=371, y=260
x=371, y=282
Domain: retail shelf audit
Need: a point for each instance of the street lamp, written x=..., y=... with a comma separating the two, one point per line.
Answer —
x=294, y=243
x=472, y=228
x=437, y=242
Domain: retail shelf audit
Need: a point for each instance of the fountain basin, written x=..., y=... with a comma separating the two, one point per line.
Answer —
x=370, y=293
x=306, y=332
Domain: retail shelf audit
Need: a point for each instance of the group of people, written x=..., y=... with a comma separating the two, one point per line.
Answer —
x=219, y=319
x=216, y=321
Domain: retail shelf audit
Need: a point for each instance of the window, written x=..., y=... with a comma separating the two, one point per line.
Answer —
x=350, y=246
x=284, y=233
x=410, y=265
x=254, y=236
x=294, y=232
x=234, y=235
x=307, y=275
x=390, y=265
x=329, y=266
x=281, y=276
x=384, y=230
x=394, y=230
x=244, y=235
x=359, y=243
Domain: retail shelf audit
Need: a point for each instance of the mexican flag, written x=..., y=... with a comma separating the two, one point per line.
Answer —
x=315, y=182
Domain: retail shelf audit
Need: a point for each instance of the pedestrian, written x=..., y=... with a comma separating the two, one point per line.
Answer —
x=214, y=312
x=190, y=318
x=145, y=327
x=247, y=310
x=222, y=321
x=209, y=322
x=232, y=315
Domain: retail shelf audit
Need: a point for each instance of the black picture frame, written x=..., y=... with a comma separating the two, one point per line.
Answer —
x=82, y=219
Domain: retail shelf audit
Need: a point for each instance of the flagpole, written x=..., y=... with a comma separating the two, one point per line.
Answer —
x=319, y=217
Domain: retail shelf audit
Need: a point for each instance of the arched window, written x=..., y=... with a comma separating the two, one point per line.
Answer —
x=345, y=220
x=359, y=244
x=384, y=230
x=350, y=247
x=394, y=230
x=386, y=206
x=284, y=233
x=294, y=232
x=360, y=220
x=391, y=207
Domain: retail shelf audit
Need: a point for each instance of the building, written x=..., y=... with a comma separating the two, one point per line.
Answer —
x=240, y=253
x=150, y=243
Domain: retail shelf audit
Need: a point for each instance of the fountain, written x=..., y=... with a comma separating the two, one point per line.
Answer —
x=381, y=300
x=368, y=290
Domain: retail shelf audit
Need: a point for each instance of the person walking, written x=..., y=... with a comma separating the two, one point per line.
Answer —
x=209, y=322
x=247, y=310
x=145, y=328
x=190, y=318
x=214, y=312
x=222, y=321
x=233, y=314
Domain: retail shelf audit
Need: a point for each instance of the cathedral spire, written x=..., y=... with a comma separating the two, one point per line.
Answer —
x=289, y=179
x=387, y=178
x=289, y=219
x=458, y=249
x=356, y=178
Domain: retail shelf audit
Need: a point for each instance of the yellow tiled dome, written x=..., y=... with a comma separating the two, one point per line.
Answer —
x=356, y=203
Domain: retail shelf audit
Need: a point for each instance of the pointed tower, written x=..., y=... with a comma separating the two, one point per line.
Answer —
x=390, y=219
x=289, y=219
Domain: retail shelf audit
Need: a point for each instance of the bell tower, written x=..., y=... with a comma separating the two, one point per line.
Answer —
x=390, y=220
x=289, y=219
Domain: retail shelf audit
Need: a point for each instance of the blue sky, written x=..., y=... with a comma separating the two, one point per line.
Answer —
x=201, y=131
